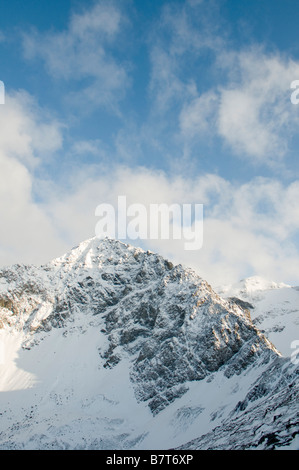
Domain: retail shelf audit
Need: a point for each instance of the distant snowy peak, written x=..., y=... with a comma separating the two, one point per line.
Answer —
x=250, y=287
x=274, y=309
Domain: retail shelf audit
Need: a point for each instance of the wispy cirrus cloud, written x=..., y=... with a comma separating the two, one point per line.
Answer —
x=182, y=37
x=206, y=88
x=251, y=111
x=255, y=115
x=82, y=55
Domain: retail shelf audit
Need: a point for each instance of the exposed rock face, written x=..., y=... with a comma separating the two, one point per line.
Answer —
x=165, y=321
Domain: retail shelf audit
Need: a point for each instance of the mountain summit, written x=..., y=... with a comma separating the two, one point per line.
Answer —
x=113, y=347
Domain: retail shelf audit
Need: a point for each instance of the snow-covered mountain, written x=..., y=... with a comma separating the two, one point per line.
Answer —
x=112, y=347
x=274, y=309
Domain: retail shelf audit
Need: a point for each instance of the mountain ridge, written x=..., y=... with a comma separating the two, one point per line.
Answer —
x=161, y=326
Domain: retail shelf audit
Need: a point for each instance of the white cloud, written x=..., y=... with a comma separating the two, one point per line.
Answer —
x=103, y=18
x=248, y=228
x=88, y=147
x=25, y=130
x=81, y=53
x=255, y=115
x=26, y=233
x=165, y=85
x=252, y=112
x=197, y=117
x=182, y=36
x=247, y=103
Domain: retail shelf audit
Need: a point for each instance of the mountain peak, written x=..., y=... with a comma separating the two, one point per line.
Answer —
x=250, y=287
x=91, y=252
x=119, y=318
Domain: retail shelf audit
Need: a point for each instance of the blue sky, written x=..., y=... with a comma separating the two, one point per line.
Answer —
x=163, y=101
